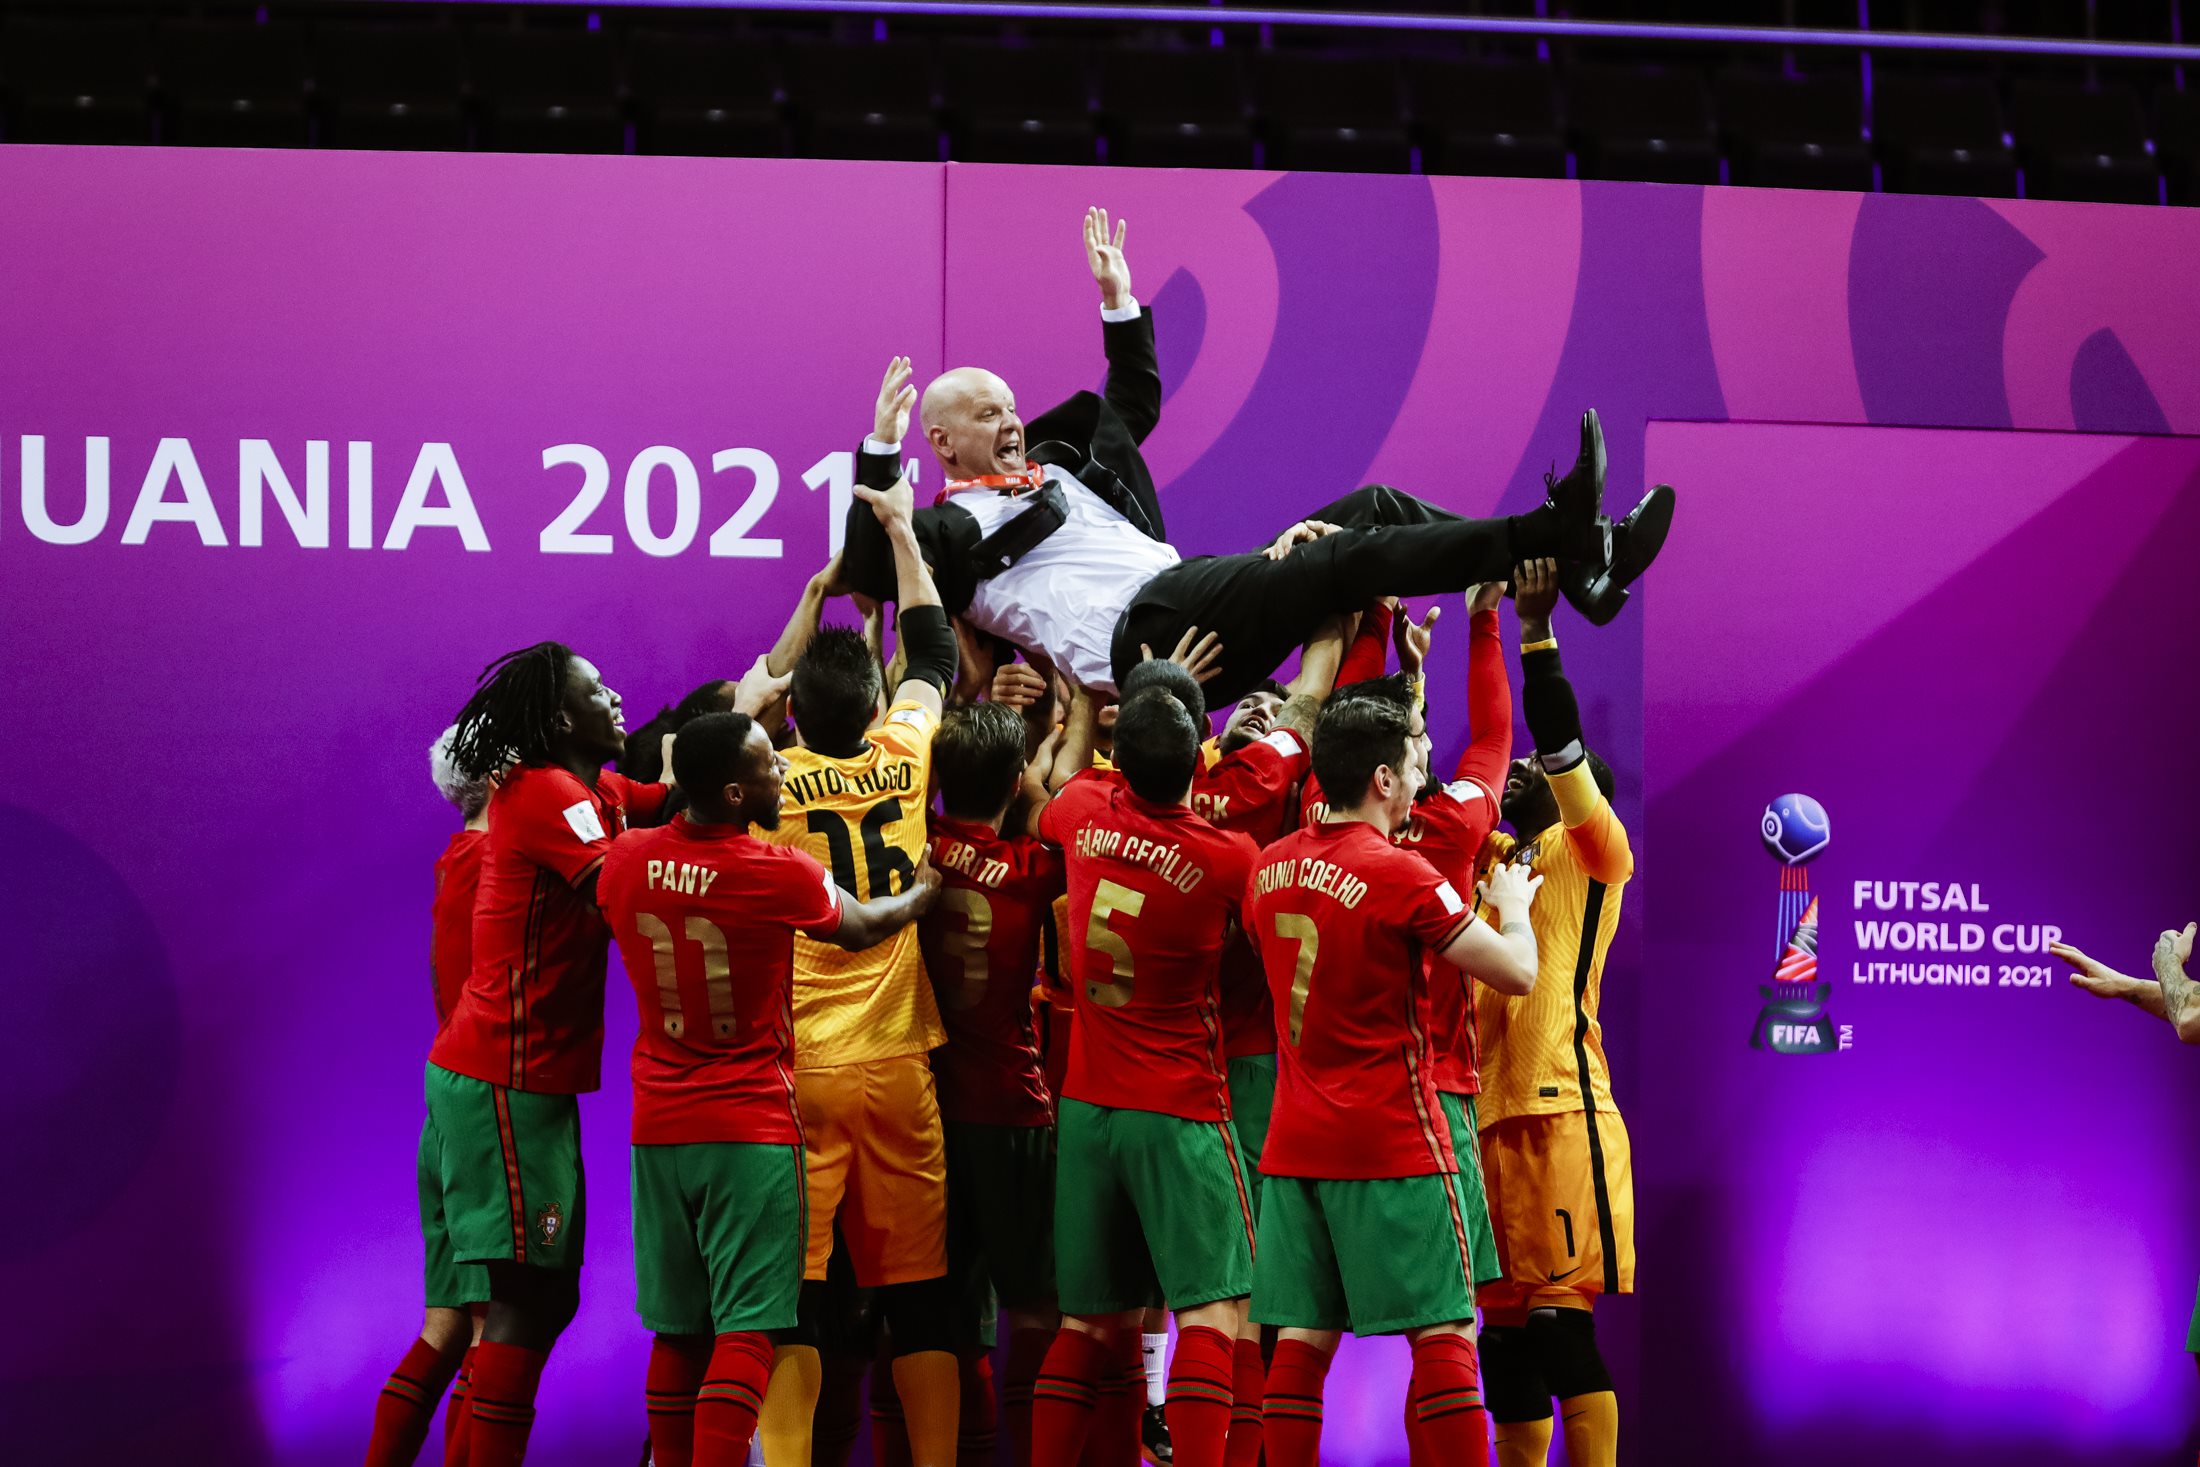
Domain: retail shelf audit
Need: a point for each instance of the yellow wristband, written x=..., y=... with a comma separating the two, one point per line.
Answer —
x=1548, y=644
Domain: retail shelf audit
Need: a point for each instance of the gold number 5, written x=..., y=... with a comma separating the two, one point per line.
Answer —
x=1299, y=928
x=1099, y=936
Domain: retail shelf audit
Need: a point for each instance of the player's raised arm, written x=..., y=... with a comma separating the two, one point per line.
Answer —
x=1134, y=371
x=1501, y=953
x=1316, y=679
x=1554, y=720
x=2180, y=996
x=867, y=924
x=927, y=641
x=1489, y=693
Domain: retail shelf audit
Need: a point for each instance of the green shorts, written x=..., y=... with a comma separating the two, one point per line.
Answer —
x=1376, y=1257
x=450, y=1284
x=1474, y=1195
x=1000, y=1212
x=1147, y=1203
x=508, y=1163
x=2192, y=1331
x=720, y=1229
x=1252, y=1098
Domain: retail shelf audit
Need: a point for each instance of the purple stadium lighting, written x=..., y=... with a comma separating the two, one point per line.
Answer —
x=1595, y=30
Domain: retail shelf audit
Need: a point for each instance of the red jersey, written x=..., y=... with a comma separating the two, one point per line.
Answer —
x=705, y=918
x=1251, y=790
x=1153, y=890
x=1345, y=922
x=982, y=947
x=451, y=919
x=531, y=1016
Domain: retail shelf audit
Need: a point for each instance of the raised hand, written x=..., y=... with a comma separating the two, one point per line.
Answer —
x=1535, y=592
x=1202, y=656
x=1017, y=684
x=758, y=689
x=1413, y=639
x=1304, y=532
x=894, y=505
x=1484, y=596
x=1110, y=268
x=897, y=394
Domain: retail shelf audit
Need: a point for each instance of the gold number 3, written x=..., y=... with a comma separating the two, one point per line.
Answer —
x=1099, y=936
x=1298, y=927
x=717, y=973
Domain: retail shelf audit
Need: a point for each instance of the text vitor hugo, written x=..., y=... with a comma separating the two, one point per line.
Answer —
x=294, y=493
x=1908, y=935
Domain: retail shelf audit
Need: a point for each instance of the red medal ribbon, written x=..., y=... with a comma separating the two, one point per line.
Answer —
x=1033, y=477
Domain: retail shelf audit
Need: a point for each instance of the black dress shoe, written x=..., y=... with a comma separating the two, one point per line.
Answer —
x=1599, y=594
x=1577, y=501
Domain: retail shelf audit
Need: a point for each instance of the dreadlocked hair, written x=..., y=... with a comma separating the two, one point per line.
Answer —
x=513, y=714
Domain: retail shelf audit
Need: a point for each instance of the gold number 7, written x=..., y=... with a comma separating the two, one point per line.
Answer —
x=1298, y=927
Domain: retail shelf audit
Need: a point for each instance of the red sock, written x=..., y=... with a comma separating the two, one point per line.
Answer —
x=889, y=1429
x=1291, y=1412
x=1447, y=1394
x=1119, y=1417
x=675, y=1375
x=1063, y=1395
x=500, y=1409
x=406, y=1408
x=454, y=1413
x=1416, y=1439
x=1027, y=1350
x=978, y=1426
x=1200, y=1395
x=1247, y=1386
x=731, y=1393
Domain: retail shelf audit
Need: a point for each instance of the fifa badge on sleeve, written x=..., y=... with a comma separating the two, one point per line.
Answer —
x=1793, y=1019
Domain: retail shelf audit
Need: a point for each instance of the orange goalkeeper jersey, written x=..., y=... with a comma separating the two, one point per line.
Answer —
x=1543, y=1053
x=863, y=818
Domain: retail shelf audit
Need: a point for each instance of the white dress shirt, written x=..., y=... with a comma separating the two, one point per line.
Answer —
x=1063, y=598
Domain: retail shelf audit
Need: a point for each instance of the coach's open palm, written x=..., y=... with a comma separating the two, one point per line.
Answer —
x=896, y=396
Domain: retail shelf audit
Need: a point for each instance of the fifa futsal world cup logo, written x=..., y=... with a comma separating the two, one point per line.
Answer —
x=1793, y=1020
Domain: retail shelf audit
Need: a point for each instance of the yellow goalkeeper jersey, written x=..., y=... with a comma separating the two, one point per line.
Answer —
x=863, y=818
x=1543, y=1053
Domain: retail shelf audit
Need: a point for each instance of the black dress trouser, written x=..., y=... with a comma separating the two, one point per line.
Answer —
x=1391, y=544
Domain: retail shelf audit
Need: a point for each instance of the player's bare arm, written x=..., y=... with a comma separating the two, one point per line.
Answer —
x=1200, y=655
x=803, y=621
x=2099, y=979
x=2180, y=996
x=1501, y=952
x=867, y=924
x=1316, y=678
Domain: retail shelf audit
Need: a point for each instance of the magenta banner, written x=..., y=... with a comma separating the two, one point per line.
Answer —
x=291, y=444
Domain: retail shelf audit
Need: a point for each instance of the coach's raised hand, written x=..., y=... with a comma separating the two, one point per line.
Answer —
x=1111, y=269
x=897, y=395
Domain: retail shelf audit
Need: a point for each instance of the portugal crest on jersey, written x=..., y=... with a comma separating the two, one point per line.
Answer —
x=549, y=1222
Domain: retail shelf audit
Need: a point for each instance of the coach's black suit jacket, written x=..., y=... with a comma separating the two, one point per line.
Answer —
x=1095, y=436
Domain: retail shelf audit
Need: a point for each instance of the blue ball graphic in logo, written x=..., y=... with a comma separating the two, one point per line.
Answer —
x=1796, y=829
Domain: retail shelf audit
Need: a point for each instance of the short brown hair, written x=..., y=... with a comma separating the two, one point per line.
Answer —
x=978, y=755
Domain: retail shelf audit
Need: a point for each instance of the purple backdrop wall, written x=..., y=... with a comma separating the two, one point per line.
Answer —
x=211, y=1051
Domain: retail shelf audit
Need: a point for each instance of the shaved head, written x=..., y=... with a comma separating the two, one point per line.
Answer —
x=969, y=417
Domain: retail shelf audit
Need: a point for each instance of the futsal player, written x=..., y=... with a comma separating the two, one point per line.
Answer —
x=1151, y=1192
x=1363, y=1222
x=981, y=949
x=864, y=1022
x=1555, y=1152
x=456, y=1293
x=526, y=1038
x=705, y=915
